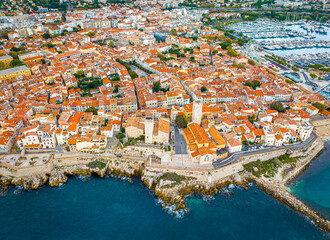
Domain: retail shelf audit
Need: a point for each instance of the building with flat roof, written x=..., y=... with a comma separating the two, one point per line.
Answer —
x=15, y=72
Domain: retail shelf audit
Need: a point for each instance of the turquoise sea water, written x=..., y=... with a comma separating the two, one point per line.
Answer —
x=116, y=209
x=313, y=185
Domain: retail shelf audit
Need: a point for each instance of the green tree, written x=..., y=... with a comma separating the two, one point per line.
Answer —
x=240, y=42
x=80, y=73
x=319, y=106
x=174, y=32
x=46, y=35
x=50, y=45
x=313, y=75
x=65, y=32
x=252, y=119
x=133, y=74
x=232, y=52
x=141, y=137
x=116, y=88
x=251, y=62
x=203, y=89
x=224, y=45
x=2, y=65
x=253, y=84
x=15, y=49
x=214, y=52
x=156, y=87
x=4, y=34
x=122, y=129
x=278, y=106
x=90, y=34
x=289, y=81
x=13, y=54
x=115, y=78
x=111, y=44
x=120, y=136
x=92, y=109
x=181, y=121
x=161, y=56
x=15, y=63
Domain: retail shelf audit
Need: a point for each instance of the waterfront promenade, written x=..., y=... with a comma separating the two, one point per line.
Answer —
x=235, y=157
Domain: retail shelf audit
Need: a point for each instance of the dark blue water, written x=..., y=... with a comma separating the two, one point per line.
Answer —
x=313, y=185
x=116, y=209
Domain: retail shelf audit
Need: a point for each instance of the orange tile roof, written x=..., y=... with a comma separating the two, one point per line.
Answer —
x=233, y=142
x=199, y=133
x=217, y=136
x=189, y=136
x=205, y=150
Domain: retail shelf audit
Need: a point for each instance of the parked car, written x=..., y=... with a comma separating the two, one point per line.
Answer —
x=119, y=155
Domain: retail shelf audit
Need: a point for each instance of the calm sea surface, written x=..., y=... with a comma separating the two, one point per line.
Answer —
x=116, y=209
x=313, y=185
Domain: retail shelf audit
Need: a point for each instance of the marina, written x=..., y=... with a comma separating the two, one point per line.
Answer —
x=300, y=44
x=325, y=92
x=265, y=29
x=304, y=60
x=272, y=45
x=288, y=38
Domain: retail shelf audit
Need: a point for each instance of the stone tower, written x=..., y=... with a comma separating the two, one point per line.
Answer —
x=197, y=112
x=149, y=129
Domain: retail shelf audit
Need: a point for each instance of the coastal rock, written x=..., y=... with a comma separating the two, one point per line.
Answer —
x=34, y=182
x=172, y=188
x=56, y=178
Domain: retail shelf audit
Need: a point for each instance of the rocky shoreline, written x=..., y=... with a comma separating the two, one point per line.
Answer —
x=171, y=186
x=278, y=192
x=59, y=173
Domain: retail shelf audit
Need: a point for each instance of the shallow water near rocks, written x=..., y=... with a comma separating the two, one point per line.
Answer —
x=112, y=208
x=313, y=185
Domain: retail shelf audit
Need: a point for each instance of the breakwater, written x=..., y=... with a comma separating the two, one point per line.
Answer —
x=277, y=191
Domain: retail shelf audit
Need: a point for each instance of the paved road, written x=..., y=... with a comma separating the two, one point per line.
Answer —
x=139, y=71
x=319, y=118
x=180, y=143
x=234, y=158
x=308, y=82
x=79, y=154
x=277, y=64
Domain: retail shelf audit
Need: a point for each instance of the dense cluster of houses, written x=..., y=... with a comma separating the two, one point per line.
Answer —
x=111, y=76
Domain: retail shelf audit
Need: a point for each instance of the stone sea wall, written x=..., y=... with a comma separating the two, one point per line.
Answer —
x=263, y=156
x=172, y=186
x=57, y=171
x=306, y=157
x=140, y=151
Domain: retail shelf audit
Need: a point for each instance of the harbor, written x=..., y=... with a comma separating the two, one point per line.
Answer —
x=272, y=45
x=266, y=30
x=325, y=92
x=287, y=38
x=303, y=47
x=304, y=60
